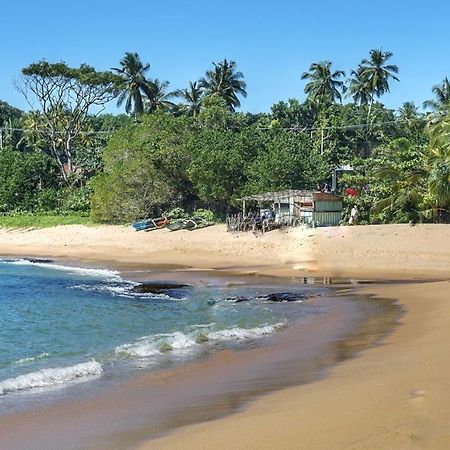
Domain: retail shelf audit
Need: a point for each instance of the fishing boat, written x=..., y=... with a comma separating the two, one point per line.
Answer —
x=150, y=224
x=193, y=223
x=176, y=225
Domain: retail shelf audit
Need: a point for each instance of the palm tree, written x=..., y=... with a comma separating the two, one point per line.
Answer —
x=438, y=168
x=404, y=191
x=323, y=83
x=193, y=97
x=377, y=73
x=159, y=98
x=410, y=116
x=408, y=112
x=359, y=88
x=441, y=103
x=135, y=85
x=225, y=82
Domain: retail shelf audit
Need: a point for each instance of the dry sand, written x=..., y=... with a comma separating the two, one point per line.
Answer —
x=377, y=251
x=395, y=396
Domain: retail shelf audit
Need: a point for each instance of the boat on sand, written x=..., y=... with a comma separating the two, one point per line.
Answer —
x=150, y=224
x=193, y=223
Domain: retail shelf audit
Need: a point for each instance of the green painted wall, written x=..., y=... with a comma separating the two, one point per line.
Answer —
x=326, y=206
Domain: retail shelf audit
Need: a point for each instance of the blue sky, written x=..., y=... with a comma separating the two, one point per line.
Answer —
x=273, y=42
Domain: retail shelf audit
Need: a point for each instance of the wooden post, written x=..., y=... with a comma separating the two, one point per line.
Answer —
x=243, y=208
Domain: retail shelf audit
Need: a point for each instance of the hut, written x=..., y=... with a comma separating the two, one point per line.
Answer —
x=293, y=207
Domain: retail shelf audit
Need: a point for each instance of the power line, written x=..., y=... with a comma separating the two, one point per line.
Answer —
x=7, y=129
x=339, y=127
x=295, y=128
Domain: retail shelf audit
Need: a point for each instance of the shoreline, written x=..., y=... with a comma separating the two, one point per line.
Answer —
x=299, y=354
x=395, y=395
x=371, y=251
x=384, y=397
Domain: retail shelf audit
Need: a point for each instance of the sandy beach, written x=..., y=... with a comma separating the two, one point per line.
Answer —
x=394, y=396
x=376, y=251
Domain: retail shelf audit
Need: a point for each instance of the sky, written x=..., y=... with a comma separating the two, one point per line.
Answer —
x=272, y=42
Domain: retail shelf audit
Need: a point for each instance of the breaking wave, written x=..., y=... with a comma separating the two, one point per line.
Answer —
x=51, y=377
x=148, y=346
x=91, y=272
x=244, y=333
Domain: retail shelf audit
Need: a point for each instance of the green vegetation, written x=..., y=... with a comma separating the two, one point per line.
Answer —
x=39, y=221
x=63, y=162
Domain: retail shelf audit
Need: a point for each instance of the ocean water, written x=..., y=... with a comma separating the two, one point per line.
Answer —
x=63, y=326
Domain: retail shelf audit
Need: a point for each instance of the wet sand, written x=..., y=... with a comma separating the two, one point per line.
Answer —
x=154, y=403
x=393, y=396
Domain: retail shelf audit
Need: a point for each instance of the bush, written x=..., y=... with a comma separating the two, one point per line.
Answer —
x=176, y=213
x=144, y=170
x=27, y=180
x=77, y=200
x=205, y=214
x=47, y=200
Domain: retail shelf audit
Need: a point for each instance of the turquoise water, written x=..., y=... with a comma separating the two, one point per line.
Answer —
x=61, y=326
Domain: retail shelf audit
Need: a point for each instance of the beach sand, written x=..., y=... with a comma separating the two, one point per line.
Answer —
x=394, y=396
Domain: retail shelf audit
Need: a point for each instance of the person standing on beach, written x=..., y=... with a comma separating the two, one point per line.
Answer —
x=353, y=216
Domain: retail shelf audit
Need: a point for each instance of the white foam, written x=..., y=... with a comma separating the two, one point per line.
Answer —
x=30, y=359
x=138, y=350
x=156, y=344
x=98, y=273
x=148, y=346
x=243, y=333
x=51, y=377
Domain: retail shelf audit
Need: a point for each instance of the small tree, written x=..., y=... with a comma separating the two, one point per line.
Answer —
x=63, y=96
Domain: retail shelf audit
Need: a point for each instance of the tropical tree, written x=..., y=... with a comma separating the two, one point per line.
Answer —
x=144, y=169
x=324, y=84
x=358, y=87
x=159, y=100
x=408, y=112
x=411, y=120
x=225, y=82
x=192, y=96
x=437, y=164
x=376, y=72
x=134, y=84
x=399, y=181
x=441, y=102
x=64, y=97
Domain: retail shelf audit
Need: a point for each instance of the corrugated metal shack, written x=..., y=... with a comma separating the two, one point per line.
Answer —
x=293, y=207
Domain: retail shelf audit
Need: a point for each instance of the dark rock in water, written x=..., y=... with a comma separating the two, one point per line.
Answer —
x=40, y=260
x=157, y=288
x=237, y=299
x=282, y=297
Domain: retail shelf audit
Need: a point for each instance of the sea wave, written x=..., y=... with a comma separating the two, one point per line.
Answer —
x=244, y=333
x=30, y=359
x=148, y=346
x=156, y=344
x=51, y=377
x=91, y=272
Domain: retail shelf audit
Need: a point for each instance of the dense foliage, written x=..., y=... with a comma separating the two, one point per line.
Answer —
x=66, y=158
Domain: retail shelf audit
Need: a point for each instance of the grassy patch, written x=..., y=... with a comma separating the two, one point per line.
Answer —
x=32, y=221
